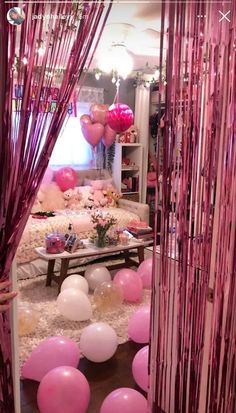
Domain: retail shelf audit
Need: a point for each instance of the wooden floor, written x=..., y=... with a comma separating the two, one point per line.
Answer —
x=102, y=377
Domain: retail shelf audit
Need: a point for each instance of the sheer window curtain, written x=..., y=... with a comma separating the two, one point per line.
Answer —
x=71, y=147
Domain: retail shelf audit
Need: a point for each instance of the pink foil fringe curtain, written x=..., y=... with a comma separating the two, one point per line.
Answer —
x=28, y=132
x=193, y=323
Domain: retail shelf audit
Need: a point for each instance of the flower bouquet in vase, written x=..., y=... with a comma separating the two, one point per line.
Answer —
x=102, y=223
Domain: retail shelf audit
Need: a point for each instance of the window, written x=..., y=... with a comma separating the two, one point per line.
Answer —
x=71, y=147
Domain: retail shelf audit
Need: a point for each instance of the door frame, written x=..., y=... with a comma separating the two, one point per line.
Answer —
x=15, y=340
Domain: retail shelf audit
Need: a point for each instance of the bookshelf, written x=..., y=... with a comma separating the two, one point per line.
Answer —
x=127, y=177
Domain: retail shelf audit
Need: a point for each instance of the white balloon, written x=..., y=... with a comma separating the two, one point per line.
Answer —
x=75, y=281
x=98, y=342
x=74, y=305
x=96, y=274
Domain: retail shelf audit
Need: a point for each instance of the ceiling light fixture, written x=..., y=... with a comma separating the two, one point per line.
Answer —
x=116, y=61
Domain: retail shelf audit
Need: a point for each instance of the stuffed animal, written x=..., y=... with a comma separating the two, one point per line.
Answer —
x=97, y=194
x=77, y=198
x=72, y=198
x=112, y=196
x=67, y=195
x=49, y=198
x=88, y=204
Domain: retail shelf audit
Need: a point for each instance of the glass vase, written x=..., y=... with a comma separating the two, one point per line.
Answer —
x=101, y=241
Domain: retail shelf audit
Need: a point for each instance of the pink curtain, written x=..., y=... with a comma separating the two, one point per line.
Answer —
x=42, y=61
x=193, y=326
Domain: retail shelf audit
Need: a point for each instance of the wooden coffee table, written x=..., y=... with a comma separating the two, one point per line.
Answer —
x=91, y=250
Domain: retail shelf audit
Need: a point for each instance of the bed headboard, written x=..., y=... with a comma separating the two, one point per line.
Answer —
x=93, y=174
x=90, y=174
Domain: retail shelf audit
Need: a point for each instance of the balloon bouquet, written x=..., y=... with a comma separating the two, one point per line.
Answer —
x=104, y=122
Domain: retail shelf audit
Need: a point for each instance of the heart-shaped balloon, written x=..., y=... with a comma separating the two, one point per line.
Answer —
x=98, y=113
x=92, y=132
x=109, y=136
x=85, y=119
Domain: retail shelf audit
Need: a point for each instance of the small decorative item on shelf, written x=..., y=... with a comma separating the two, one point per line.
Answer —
x=131, y=184
x=127, y=182
x=129, y=136
x=55, y=243
x=102, y=223
x=132, y=134
x=126, y=161
x=130, y=166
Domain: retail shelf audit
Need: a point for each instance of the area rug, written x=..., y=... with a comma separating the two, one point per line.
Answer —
x=52, y=323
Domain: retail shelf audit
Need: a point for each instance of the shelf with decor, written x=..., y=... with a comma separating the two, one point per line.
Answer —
x=130, y=169
x=127, y=170
x=132, y=192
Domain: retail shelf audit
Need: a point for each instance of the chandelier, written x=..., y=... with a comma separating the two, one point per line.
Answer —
x=115, y=61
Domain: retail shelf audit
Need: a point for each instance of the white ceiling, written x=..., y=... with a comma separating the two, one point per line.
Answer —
x=138, y=26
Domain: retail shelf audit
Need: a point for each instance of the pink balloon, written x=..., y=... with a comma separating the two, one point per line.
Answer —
x=109, y=136
x=138, y=327
x=98, y=113
x=120, y=117
x=140, y=368
x=63, y=390
x=47, y=179
x=131, y=284
x=124, y=400
x=49, y=354
x=145, y=272
x=92, y=133
x=66, y=178
x=85, y=119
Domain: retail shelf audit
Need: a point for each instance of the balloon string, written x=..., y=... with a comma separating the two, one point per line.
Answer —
x=94, y=158
x=117, y=98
